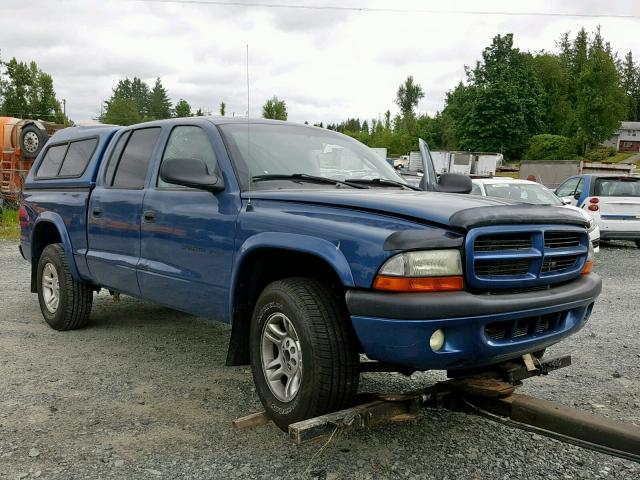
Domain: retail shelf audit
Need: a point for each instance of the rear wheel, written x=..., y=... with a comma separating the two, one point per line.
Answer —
x=65, y=303
x=303, y=353
x=638, y=243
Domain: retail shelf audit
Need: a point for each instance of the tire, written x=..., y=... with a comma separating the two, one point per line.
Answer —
x=74, y=299
x=638, y=243
x=317, y=343
x=32, y=140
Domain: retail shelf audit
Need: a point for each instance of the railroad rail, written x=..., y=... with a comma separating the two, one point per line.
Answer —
x=488, y=393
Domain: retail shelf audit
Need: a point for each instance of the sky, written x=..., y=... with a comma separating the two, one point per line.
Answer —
x=328, y=65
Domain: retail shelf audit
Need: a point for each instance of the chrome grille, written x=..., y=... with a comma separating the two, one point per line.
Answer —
x=561, y=239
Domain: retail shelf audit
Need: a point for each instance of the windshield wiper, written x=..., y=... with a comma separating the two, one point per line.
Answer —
x=303, y=177
x=382, y=182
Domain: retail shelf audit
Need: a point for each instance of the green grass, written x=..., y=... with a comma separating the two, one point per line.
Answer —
x=9, y=226
x=618, y=157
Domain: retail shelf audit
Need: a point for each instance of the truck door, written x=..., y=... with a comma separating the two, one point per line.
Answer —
x=430, y=178
x=115, y=210
x=187, y=235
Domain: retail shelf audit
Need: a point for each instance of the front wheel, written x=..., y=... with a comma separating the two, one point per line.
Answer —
x=303, y=353
x=65, y=303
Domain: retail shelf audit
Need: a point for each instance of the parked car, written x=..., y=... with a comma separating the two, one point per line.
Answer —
x=612, y=200
x=309, y=244
x=526, y=191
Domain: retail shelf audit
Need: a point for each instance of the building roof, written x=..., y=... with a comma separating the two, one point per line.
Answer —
x=630, y=126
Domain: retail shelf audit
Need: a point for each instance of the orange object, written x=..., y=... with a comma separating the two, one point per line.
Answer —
x=13, y=167
x=418, y=284
x=588, y=265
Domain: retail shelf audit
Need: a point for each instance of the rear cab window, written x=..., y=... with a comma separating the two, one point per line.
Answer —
x=128, y=165
x=67, y=160
x=617, y=187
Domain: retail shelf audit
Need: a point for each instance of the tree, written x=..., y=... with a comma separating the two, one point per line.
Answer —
x=501, y=107
x=275, y=109
x=27, y=92
x=183, y=109
x=407, y=98
x=159, y=104
x=555, y=80
x=630, y=83
x=199, y=113
x=122, y=111
x=141, y=95
x=550, y=147
x=223, y=108
x=600, y=99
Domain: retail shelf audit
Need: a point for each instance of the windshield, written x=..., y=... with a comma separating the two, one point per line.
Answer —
x=280, y=149
x=532, y=193
x=618, y=187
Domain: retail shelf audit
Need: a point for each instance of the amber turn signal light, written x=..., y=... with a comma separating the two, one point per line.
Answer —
x=418, y=284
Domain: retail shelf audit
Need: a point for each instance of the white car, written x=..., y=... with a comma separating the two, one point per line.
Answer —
x=612, y=200
x=534, y=193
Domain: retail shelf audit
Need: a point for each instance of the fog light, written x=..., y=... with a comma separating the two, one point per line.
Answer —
x=436, y=342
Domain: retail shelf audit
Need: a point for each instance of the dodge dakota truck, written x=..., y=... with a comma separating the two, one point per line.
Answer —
x=310, y=245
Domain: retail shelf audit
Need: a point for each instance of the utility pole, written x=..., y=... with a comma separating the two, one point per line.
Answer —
x=64, y=111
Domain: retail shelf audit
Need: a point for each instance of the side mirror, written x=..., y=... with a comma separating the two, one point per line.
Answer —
x=190, y=172
x=454, y=183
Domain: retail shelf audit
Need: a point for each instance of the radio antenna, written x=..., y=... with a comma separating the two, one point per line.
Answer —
x=249, y=206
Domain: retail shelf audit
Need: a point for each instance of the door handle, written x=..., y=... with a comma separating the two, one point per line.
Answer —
x=97, y=212
x=149, y=215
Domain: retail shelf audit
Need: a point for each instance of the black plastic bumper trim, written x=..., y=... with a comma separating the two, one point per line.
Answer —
x=441, y=305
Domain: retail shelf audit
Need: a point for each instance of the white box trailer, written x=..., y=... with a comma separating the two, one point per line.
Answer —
x=380, y=151
x=440, y=161
x=415, y=161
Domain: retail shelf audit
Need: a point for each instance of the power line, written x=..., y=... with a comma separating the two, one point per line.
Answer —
x=245, y=4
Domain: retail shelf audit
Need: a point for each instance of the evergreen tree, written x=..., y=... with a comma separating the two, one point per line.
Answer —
x=159, y=103
x=600, y=99
x=223, y=108
x=630, y=83
x=183, y=109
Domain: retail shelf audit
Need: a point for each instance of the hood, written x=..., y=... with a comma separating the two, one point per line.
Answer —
x=446, y=209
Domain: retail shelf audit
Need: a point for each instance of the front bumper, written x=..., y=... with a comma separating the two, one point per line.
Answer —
x=396, y=328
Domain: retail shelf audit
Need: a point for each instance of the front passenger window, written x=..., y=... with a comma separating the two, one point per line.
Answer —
x=189, y=142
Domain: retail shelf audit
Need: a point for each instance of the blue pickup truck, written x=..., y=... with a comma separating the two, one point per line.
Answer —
x=308, y=244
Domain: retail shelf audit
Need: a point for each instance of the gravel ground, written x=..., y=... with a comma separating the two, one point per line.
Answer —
x=143, y=393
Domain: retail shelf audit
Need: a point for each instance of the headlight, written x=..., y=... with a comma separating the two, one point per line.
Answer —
x=421, y=271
